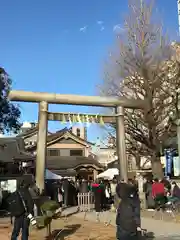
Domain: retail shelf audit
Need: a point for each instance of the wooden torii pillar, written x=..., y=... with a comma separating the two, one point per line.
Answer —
x=51, y=98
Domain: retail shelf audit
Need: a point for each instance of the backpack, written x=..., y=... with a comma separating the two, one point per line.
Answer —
x=15, y=204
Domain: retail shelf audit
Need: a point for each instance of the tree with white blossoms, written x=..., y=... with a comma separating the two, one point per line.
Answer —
x=143, y=65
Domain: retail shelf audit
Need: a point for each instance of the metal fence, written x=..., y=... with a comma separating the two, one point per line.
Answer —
x=86, y=202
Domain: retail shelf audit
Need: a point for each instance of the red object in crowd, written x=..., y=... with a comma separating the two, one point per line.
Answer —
x=96, y=187
x=157, y=188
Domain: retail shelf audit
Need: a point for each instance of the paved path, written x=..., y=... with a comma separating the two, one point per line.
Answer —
x=160, y=229
x=69, y=211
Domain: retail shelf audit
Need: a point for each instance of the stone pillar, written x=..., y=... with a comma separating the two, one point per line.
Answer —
x=95, y=173
x=120, y=143
x=41, y=145
x=142, y=196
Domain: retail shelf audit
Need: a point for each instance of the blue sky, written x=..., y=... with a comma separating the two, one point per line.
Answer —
x=44, y=46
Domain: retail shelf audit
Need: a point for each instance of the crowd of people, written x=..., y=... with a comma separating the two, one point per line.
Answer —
x=159, y=192
x=123, y=196
x=65, y=191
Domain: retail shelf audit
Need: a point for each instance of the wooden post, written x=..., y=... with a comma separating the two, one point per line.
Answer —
x=41, y=145
x=120, y=143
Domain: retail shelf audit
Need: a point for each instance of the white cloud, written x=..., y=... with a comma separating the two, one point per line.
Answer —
x=83, y=29
x=100, y=22
x=101, y=25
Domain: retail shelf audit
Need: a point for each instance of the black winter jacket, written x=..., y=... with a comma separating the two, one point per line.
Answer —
x=27, y=199
x=128, y=212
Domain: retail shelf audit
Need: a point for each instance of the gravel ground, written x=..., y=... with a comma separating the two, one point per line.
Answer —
x=73, y=229
x=76, y=228
x=158, y=228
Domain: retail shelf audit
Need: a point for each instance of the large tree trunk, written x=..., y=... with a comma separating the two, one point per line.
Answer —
x=157, y=169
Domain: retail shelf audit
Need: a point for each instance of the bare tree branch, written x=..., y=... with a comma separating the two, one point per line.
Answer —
x=144, y=66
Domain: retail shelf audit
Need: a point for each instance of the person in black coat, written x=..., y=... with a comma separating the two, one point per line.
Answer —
x=128, y=218
x=175, y=190
x=65, y=186
x=72, y=194
x=22, y=222
x=54, y=187
x=84, y=186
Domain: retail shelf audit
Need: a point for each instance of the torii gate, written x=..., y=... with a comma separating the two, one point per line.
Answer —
x=51, y=98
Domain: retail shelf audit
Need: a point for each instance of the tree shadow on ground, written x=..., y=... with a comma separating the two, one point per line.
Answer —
x=62, y=233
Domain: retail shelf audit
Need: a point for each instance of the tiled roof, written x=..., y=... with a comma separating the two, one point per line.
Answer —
x=113, y=164
x=13, y=149
x=55, y=136
x=19, y=141
x=64, y=163
x=51, y=137
x=65, y=173
x=23, y=157
x=30, y=131
x=58, y=134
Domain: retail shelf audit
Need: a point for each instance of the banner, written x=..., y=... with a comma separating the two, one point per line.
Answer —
x=70, y=120
x=101, y=121
x=74, y=119
x=176, y=165
x=169, y=160
x=78, y=118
